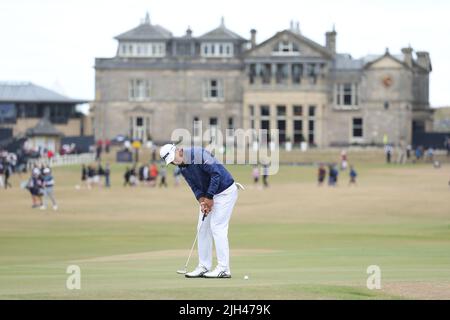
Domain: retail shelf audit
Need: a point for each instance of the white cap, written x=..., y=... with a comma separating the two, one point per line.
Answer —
x=167, y=153
x=47, y=170
x=36, y=171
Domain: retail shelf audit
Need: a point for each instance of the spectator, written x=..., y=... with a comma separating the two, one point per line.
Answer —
x=107, y=173
x=34, y=185
x=133, y=178
x=100, y=173
x=255, y=175
x=408, y=152
x=419, y=153
x=2, y=172
x=153, y=174
x=344, y=160
x=126, y=177
x=107, y=145
x=141, y=173
x=84, y=173
x=430, y=155
x=163, y=173
x=353, y=175
x=99, y=149
x=48, y=183
x=7, y=173
x=447, y=145
x=90, y=176
x=388, y=151
x=332, y=175
x=322, y=173
x=265, y=175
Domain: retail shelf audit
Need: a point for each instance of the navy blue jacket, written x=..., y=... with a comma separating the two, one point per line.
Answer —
x=204, y=174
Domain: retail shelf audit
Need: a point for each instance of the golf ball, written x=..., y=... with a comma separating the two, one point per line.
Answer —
x=245, y=277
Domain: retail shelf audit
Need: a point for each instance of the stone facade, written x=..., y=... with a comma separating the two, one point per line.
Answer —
x=158, y=82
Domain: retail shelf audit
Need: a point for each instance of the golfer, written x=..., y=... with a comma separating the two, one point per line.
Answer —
x=216, y=192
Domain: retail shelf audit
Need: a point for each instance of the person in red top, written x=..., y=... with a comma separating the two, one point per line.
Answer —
x=50, y=154
x=107, y=145
x=153, y=174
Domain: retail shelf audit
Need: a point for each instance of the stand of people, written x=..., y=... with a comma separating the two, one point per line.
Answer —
x=147, y=175
x=96, y=176
x=333, y=174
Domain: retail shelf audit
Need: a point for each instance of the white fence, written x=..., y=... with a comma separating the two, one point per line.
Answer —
x=64, y=160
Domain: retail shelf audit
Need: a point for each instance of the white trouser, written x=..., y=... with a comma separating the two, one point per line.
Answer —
x=216, y=226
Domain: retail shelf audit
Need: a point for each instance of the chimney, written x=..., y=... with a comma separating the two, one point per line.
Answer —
x=423, y=60
x=408, y=58
x=189, y=32
x=330, y=41
x=253, y=38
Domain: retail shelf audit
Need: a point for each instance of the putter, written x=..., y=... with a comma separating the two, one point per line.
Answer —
x=184, y=270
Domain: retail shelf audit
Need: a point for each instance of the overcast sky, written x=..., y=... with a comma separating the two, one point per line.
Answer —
x=53, y=43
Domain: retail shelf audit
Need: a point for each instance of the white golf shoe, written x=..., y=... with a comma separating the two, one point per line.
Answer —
x=217, y=273
x=197, y=273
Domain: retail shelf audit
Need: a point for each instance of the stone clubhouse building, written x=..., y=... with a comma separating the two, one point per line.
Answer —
x=158, y=82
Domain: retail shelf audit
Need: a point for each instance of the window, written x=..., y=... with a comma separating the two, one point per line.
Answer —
x=265, y=111
x=213, y=121
x=217, y=49
x=139, y=121
x=312, y=111
x=142, y=49
x=311, y=72
x=230, y=123
x=7, y=113
x=281, y=111
x=282, y=130
x=139, y=90
x=213, y=89
x=347, y=94
x=285, y=48
x=281, y=73
x=252, y=73
x=297, y=70
x=298, y=111
x=311, y=125
x=252, y=115
x=298, y=131
x=252, y=110
x=196, y=127
x=184, y=49
x=357, y=128
x=265, y=125
x=266, y=73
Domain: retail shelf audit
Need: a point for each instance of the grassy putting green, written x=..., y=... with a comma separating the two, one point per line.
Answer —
x=294, y=240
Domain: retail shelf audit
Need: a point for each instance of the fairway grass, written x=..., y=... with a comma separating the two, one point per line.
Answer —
x=294, y=240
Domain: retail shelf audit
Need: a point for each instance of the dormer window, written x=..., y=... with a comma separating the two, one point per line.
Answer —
x=217, y=49
x=286, y=48
x=142, y=49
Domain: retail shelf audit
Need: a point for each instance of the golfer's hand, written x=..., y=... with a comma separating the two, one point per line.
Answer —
x=206, y=205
